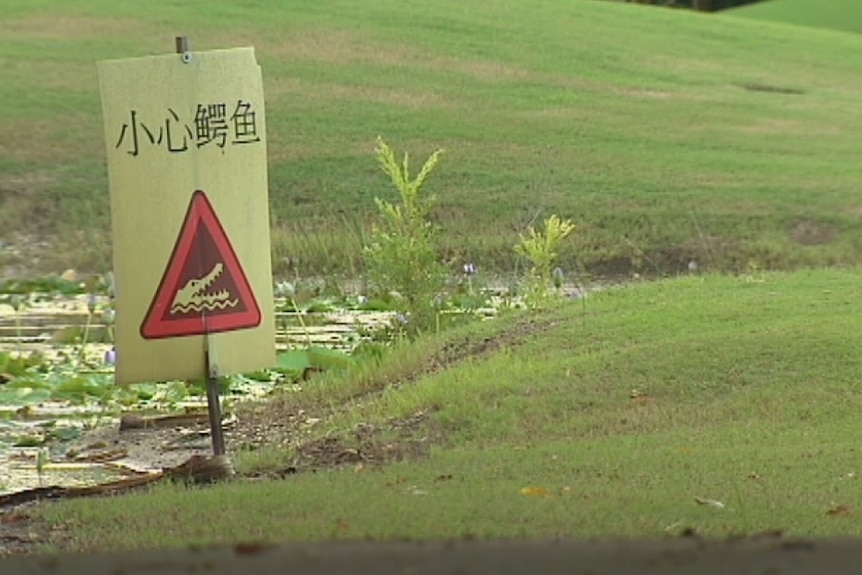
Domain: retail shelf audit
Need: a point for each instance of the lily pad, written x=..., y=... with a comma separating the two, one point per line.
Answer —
x=23, y=396
x=29, y=441
x=79, y=389
x=295, y=361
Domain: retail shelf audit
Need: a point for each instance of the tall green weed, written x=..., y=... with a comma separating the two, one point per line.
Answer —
x=402, y=257
x=541, y=249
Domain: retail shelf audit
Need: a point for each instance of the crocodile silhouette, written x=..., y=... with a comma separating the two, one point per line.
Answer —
x=192, y=297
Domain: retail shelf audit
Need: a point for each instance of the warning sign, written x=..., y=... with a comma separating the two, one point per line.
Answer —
x=192, y=269
x=204, y=289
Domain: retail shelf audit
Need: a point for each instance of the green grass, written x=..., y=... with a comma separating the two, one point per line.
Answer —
x=665, y=135
x=835, y=14
x=747, y=392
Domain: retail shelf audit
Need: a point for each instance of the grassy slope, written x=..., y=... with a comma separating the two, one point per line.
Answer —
x=835, y=14
x=749, y=394
x=631, y=120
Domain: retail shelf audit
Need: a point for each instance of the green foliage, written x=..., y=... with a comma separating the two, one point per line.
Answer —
x=402, y=258
x=16, y=364
x=541, y=250
x=47, y=284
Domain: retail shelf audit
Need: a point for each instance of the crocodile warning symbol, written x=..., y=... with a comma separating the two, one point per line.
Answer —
x=203, y=289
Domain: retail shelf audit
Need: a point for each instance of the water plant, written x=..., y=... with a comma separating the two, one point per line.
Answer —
x=91, y=309
x=541, y=250
x=287, y=290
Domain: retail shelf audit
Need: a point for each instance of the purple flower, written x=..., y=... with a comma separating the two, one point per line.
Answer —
x=111, y=357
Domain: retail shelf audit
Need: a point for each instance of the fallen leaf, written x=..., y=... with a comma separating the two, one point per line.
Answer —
x=711, y=502
x=640, y=397
x=539, y=491
x=249, y=548
x=10, y=518
x=842, y=510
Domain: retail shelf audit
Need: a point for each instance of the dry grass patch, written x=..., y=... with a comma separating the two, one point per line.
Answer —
x=27, y=141
x=401, y=98
x=483, y=70
x=75, y=27
x=812, y=233
x=335, y=47
x=340, y=47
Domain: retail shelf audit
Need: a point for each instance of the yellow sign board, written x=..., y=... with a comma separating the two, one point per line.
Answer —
x=186, y=145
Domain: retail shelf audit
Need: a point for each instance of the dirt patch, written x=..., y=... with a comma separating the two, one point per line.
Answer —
x=468, y=348
x=811, y=233
x=281, y=423
x=36, y=140
x=771, y=88
x=371, y=445
x=21, y=534
x=20, y=253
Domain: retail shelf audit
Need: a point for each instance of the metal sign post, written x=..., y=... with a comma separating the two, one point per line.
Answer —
x=213, y=404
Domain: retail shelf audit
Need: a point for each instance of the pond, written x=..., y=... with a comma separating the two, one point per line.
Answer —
x=56, y=379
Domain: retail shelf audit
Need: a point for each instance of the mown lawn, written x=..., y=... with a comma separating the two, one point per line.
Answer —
x=665, y=135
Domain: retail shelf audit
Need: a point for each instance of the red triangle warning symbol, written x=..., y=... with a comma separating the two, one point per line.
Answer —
x=204, y=289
